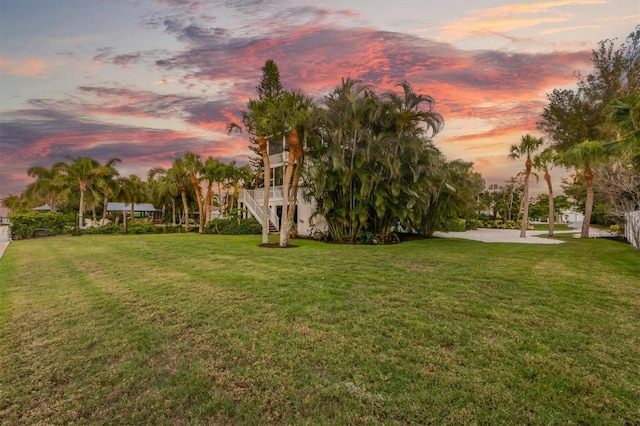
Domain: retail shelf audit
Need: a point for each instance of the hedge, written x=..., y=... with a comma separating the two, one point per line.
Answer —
x=35, y=224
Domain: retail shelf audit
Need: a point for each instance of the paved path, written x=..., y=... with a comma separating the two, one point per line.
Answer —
x=503, y=236
x=3, y=247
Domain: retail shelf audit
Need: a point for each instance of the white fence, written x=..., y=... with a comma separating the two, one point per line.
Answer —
x=632, y=228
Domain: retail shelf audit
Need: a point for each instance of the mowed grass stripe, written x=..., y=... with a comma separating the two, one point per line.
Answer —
x=212, y=329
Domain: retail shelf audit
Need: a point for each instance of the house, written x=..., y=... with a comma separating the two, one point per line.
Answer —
x=139, y=209
x=45, y=208
x=252, y=200
x=5, y=229
x=570, y=216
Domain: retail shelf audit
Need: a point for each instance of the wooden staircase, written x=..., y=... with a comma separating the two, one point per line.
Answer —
x=273, y=229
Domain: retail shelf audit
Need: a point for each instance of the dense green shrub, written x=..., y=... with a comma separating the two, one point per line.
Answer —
x=26, y=225
x=233, y=227
x=106, y=229
x=473, y=224
x=600, y=215
x=454, y=225
x=136, y=227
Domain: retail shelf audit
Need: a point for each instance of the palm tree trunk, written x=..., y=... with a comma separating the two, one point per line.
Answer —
x=185, y=208
x=588, y=176
x=105, y=202
x=198, y=191
x=547, y=178
x=81, y=209
x=263, y=143
x=525, y=206
x=208, y=201
x=286, y=227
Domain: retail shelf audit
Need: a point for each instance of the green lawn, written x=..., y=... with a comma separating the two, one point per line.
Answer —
x=209, y=329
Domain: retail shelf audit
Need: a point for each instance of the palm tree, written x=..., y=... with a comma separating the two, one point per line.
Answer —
x=194, y=167
x=260, y=124
x=48, y=185
x=528, y=146
x=584, y=157
x=544, y=162
x=163, y=190
x=107, y=183
x=294, y=113
x=81, y=173
x=179, y=176
x=625, y=113
x=12, y=202
x=211, y=173
x=132, y=190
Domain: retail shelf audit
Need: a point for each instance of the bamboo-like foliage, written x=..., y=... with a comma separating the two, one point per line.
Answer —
x=375, y=168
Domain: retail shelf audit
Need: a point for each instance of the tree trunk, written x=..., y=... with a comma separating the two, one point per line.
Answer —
x=81, y=209
x=264, y=150
x=295, y=154
x=105, y=203
x=198, y=191
x=208, y=201
x=525, y=206
x=185, y=207
x=588, y=177
x=547, y=178
x=173, y=211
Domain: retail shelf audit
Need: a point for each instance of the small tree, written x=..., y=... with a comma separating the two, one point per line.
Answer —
x=584, y=157
x=544, y=162
x=528, y=146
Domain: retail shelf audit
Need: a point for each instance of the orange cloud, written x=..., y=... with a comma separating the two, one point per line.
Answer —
x=30, y=67
x=506, y=18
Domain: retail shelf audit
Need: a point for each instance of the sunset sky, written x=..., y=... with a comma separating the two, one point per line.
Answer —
x=147, y=80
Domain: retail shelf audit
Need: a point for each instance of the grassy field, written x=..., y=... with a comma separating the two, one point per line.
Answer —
x=208, y=329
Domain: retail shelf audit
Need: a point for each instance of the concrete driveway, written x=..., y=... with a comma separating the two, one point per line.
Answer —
x=505, y=236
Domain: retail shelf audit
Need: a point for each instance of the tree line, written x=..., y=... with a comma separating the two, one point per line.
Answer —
x=594, y=130
x=84, y=184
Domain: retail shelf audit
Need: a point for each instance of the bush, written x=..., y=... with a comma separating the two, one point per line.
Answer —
x=26, y=225
x=136, y=227
x=473, y=224
x=454, y=225
x=510, y=224
x=233, y=227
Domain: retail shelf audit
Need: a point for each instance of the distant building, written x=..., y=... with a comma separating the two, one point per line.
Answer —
x=570, y=216
x=5, y=229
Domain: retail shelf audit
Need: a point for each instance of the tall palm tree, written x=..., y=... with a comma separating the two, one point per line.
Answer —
x=544, y=162
x=81, y=173
x=584, y=157
x=179, y=176
x=132, y=190
x=211, y=173
x=261, y=125
x=163, y=190
x=107, y=183
x=194, y=167
x=527, y=147
x=294, y=113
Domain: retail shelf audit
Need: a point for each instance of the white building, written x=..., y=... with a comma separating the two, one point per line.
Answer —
x=253, y=200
